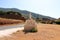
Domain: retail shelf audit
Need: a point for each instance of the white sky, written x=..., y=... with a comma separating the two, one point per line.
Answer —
x=44, y=7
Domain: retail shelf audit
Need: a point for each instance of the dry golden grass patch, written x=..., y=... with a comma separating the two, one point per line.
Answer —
x=4, y=21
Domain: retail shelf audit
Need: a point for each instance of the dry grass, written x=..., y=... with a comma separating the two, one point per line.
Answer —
x=4, y=21
x=45, y=32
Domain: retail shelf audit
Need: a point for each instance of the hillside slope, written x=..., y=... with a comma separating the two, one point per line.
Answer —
x=26, y=13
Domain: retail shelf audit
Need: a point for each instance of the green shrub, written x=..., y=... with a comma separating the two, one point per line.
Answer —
x=43, y=22
x=33, y=30
x=57, y=22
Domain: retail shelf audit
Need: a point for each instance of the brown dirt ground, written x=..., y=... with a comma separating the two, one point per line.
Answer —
x=45, y=32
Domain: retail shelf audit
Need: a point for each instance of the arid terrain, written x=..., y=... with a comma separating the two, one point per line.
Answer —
x=45, y=32
x=4, y=21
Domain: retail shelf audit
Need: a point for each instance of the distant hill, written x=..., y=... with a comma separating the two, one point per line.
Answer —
x=26, y=13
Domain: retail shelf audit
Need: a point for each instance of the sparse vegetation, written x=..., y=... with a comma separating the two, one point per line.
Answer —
x=45, y=20
x=57, y=21
x=33, y=30
x=11, y=15
x=5, y=16
x=4, y=21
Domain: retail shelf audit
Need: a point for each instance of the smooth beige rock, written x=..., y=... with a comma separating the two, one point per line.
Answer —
x=29, y=24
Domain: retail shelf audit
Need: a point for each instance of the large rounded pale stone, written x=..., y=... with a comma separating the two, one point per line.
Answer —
x=29, y=24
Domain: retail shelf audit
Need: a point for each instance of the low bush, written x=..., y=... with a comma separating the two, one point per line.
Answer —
x=57, y=22
x=33, y=30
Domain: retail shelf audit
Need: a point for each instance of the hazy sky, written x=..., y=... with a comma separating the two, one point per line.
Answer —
x=44, y=7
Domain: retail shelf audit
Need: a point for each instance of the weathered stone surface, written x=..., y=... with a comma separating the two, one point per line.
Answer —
x=29, y=24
